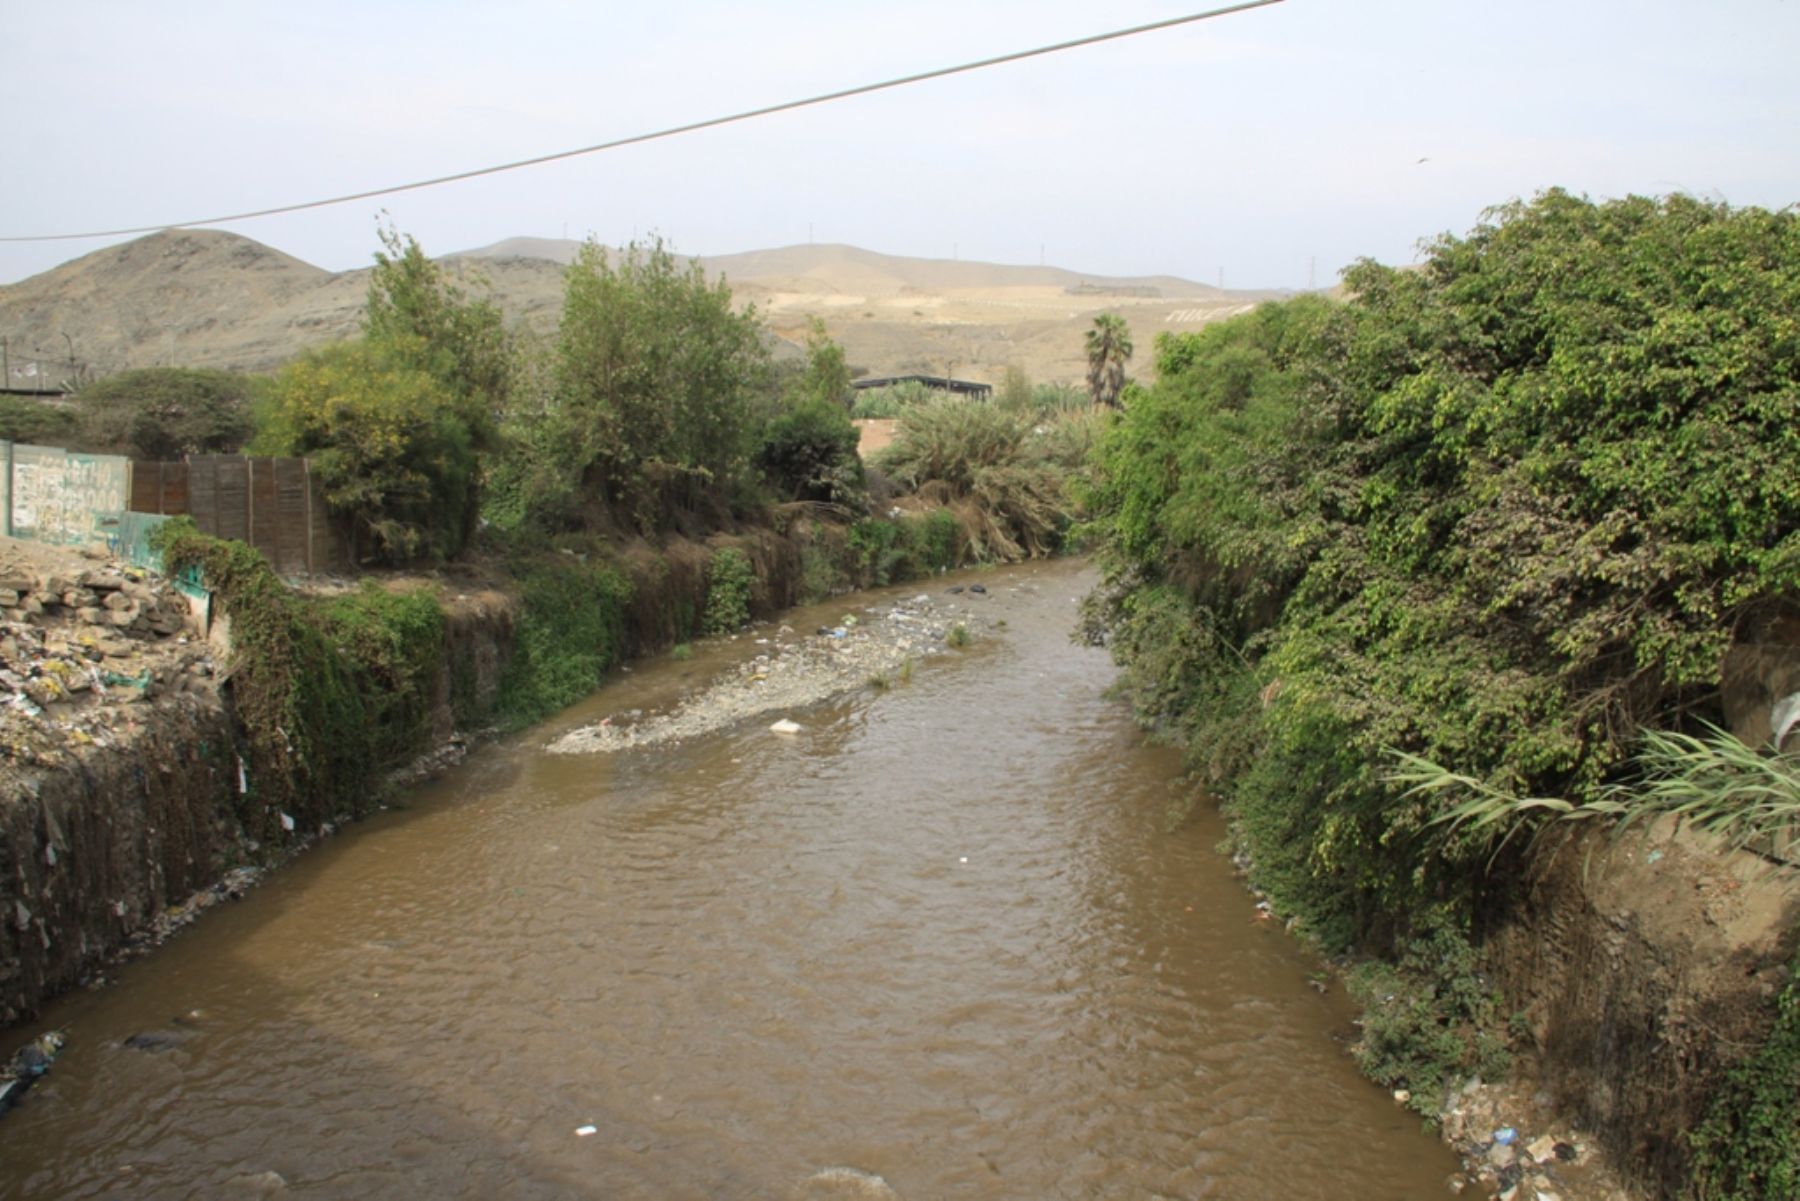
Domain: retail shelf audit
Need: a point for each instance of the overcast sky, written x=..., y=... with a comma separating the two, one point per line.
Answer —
x=1275, y=146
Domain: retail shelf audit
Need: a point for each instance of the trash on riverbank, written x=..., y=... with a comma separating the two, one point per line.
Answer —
x=30, y=1064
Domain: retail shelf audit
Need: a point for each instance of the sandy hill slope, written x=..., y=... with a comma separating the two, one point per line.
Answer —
x=206, y=298
x=192, y=297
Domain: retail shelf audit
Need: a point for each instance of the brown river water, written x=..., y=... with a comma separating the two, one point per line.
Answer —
x=947, y=935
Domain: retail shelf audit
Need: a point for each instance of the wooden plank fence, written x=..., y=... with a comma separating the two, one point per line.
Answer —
x=274, y=504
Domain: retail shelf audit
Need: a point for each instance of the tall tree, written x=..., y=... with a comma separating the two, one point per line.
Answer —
x=1108, y=349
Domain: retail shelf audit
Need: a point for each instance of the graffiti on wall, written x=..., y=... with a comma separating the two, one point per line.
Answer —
x=69, y=499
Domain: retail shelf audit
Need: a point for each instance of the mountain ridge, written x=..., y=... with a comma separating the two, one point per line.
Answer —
x=217, y=299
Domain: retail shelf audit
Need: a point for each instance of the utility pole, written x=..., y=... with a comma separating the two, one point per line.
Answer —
x=5, y=367
x=1312, y=273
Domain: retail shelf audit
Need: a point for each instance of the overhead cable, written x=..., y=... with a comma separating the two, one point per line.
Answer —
x=672, y=131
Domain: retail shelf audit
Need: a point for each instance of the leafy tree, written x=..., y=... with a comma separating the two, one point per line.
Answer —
x=809, y=450
x=386, y=438
x=647, y=411
x=1108, y=350
x=167, y=412
x=809, y=453
x=827, y=375
x=24, y=419
x=423, y=316
x=1015, y=394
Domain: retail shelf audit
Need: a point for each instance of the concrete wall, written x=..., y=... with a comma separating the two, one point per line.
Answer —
x=62, y=497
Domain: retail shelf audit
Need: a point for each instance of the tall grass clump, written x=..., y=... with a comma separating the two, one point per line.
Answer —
x=1006, y=482
x=1714, y=783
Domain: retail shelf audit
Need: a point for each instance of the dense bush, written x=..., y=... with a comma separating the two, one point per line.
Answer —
x=887, y=551
x=330, y=692
x=392, y=446
x=808, y=450
x=729, y=580
x=1502, y=511
x=1007, y=478
x=23, y=419
x=1428, y=1021
x=645, y=412
x=893, y=400
x=429, y=321
x=809, y=453
x=571, y=630
x=166, y=412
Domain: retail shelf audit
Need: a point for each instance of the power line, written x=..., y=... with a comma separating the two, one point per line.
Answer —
x=673, y=131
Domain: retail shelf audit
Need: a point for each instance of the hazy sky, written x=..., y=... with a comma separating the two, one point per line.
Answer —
x=1257, y=144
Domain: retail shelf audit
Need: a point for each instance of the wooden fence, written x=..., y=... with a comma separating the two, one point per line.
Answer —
x=276, y=505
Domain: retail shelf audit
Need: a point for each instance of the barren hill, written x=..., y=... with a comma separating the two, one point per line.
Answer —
x=207, y=298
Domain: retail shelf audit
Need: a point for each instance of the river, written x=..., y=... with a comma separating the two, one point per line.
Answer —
x=947, y=935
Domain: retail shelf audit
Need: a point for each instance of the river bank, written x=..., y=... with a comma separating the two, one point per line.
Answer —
x=941, y=936
x=1603, y=981
x=159, y=753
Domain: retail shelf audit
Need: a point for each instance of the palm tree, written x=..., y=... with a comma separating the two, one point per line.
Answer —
x=1108, y=346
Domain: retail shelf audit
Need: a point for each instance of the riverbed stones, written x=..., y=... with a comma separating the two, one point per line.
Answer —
x=843, y=1184
x=792, y=674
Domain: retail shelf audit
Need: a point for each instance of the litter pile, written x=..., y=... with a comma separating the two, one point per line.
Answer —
x=1514, y=1159
x=78, y=644
x=31, y=1064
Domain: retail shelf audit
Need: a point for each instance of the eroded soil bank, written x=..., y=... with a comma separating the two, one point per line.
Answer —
x=1641, y=967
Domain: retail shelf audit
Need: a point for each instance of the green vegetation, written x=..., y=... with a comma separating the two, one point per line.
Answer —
x=330, y=693
x=729, y=579
x=23, y=419
x=892, y=400
x=1502, y=513
x=826, y=378
x=1007, y=483
x=1108, y=350
x=1714, y=783
x=571, y=630
x=958, y=636
x=1014, y=393
x=913, y=545
x=1428, y=1023
x=390, y=443
x=166, y=412
x=644, y=416
x=808, y=451
x=1749, y=1145
x=428, y=320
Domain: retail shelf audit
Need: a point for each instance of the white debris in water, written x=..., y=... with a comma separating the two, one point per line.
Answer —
x=584, y=1131
x=784, y=726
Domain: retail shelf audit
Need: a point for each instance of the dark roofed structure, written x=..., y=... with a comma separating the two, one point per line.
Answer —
x=942, y=383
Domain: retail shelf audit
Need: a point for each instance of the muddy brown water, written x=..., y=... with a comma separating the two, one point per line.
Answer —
x=945, y=936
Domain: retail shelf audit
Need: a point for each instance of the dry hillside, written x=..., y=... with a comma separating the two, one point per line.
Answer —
x=206, y=298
